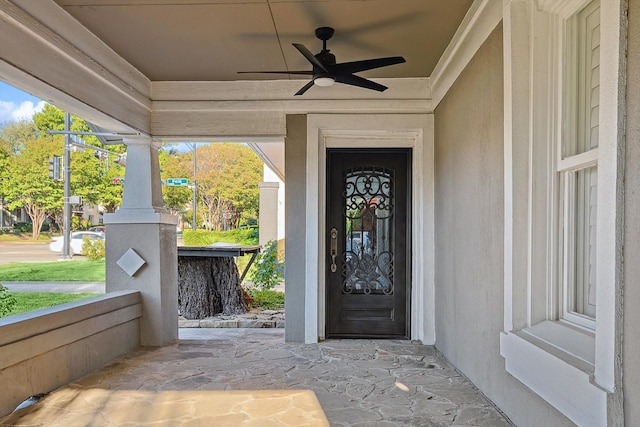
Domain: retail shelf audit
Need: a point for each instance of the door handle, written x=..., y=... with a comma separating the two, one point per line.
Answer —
x=334, y=249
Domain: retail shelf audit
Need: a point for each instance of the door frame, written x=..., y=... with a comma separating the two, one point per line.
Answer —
x=413, y=131
x=400, y=197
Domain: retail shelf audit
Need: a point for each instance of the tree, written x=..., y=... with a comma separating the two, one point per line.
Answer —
x=14, y=134
x=227, y=178
x=26, y=183
x=25, y=148
x=4, y=166
x=175, y=165
x=208, y=286
x=103, y=191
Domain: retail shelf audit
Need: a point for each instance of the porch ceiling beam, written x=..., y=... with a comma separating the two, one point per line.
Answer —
x=283, y=90
x=258, y=109
x=47, y=53
x=195, y=125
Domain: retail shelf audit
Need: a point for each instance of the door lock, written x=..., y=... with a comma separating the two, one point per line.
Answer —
x=334, y=249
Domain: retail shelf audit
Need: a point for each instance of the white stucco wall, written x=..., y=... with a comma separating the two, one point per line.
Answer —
x=469, y=199
x=270, y=176
x=631, y=349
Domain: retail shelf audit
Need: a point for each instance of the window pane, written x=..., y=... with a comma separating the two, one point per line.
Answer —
x=583, y=81
x=582, y=294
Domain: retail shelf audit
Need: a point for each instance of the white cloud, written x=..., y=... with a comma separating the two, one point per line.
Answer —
x=5, y=111
x=10, y=111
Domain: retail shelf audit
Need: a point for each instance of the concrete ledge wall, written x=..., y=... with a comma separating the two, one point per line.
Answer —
x=45, y=349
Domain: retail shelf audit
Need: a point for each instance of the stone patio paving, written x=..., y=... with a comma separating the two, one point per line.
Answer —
x=251, y=377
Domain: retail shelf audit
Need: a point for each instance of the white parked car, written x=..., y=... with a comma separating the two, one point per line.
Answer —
x=77, y=240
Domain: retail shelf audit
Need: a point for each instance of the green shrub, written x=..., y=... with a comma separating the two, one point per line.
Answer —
x=27, y=227
x=243, y=237
x=269, y=269
x=267, y=299
x=250, y=223
x=93, y=248
x=22, y=227
x=7, y=301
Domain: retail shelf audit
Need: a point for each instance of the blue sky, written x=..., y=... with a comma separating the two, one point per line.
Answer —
x=16, y=104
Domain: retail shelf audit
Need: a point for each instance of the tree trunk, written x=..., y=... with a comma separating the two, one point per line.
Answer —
x=208, y=286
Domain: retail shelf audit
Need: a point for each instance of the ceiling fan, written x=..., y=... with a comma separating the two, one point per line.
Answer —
x=326, y=72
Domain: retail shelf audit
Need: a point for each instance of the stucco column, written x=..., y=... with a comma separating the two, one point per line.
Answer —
x=295, y=152
x=268, y=211
x=141, y=245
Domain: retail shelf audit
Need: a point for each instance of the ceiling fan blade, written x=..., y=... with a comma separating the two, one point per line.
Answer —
x=305, y=88
x=305, y=73
x=352, y=80
x=307, y=54
x=367, y=64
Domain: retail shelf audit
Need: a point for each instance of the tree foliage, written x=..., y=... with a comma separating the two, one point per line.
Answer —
x=175, y=165
x=25, y=149
x=227, y=180
x=91, y=173
x=227, y=177
x=24, y=180
x=14, y=134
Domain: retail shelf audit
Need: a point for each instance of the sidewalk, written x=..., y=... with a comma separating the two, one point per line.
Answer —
x=69, y=287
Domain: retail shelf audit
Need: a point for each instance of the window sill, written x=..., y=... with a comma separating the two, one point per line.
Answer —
x=561, y=378
x=569, y=342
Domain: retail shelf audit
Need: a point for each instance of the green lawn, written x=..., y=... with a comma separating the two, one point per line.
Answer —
x=29, y=301
x=57, y=271
x=81, y=271
x=24, y=237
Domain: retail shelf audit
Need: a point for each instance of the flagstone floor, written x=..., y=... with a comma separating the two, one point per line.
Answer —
x=251, y=377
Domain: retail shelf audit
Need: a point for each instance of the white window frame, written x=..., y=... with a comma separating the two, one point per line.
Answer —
x=577, y=115
x=575, y=369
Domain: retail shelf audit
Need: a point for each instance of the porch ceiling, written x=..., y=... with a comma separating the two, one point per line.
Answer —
x=169, y=68
x=211, y=40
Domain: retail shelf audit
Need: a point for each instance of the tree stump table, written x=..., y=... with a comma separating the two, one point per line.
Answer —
x=209, y=282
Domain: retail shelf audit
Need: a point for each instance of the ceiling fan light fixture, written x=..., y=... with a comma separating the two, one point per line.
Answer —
x=324, y=81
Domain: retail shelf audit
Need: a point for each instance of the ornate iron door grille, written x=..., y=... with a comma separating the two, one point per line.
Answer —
x=367, y=266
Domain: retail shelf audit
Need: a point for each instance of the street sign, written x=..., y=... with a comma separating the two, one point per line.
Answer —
x=177, y=182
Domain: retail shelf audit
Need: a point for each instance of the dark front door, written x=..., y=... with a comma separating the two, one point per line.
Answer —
x=368, y=242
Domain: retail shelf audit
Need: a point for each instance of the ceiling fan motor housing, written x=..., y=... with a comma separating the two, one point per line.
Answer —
x=327, y=59
x=324, y=33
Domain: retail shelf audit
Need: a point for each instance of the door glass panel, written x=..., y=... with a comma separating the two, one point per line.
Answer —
x=369, y=208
